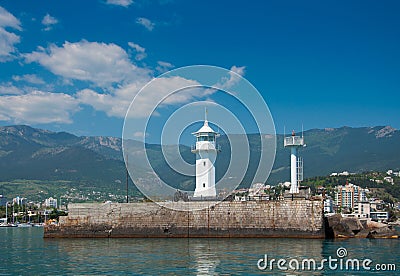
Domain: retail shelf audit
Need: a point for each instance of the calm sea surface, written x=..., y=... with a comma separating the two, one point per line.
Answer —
x=24, y=251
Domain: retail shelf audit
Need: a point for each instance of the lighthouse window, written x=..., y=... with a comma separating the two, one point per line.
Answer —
x=210, y=138
x=204, y=163
x=204, y=185
x=203, y=138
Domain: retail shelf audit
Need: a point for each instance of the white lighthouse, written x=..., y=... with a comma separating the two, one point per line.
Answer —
x=206, y=153
x=296, y=163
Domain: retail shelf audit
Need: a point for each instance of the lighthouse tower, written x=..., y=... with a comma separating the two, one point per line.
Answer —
x=296, y=163
x=206, y=153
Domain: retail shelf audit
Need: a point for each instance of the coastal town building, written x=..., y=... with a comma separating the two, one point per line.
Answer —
x=380, y=216
x=344, y=173
x=362, y=209
x=377, y=204
x=349, y=195
x=352, y=201
x=328, y=205
x=50, y=202
x=393, y=173
x=389, y=179
x=19, y=200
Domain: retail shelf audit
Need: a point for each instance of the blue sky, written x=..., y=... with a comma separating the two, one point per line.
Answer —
x=75, y=65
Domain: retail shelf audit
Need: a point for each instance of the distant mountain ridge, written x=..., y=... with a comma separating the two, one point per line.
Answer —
x=29, y=153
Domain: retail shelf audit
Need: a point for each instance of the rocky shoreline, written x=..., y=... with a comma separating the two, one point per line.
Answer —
x=337, y=226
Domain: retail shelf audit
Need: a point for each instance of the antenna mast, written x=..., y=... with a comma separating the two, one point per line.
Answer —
x=127, y=181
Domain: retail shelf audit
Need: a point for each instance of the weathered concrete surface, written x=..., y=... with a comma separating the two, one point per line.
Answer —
x=299, y=218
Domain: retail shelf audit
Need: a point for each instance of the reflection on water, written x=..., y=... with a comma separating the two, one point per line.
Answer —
x=205, y=258
x=24, y=251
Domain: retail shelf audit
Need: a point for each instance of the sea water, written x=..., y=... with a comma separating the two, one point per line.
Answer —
x=24, y=251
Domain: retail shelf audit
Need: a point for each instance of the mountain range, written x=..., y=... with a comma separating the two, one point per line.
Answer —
x=35, y=154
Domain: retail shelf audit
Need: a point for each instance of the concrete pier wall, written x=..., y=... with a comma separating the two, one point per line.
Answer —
x=298, y=218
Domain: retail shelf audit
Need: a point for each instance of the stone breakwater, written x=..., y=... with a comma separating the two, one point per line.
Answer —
x=288, y=219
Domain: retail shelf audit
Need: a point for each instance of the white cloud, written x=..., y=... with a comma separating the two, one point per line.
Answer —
x=100, y=63
x=238, y=70
x=137, y=47
x=38, y=107
x=117, y=103
x=111, y=105
x=233, y=78
x=145, y=23
x=123, y=3
x=140, y=134
x=163, y=66
x=140, y=51
x=114, y=81
x=8, y=39
x=9, y=89
x=9, y=20
x=114, y=104
x=31, y=78
x=48, y=21
x=160, y=92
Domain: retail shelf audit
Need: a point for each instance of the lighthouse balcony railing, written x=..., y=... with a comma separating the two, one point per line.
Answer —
x=294, y=141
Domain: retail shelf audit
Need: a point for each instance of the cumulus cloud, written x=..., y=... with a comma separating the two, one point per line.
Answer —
x=233, y=78
x=38, y=107
x=117, y=103
x=100, y=63
x=163, y=66
x=9, y=89
x=140, y=51
x=114, y=104
x=9, y=20
x=48, y=21
x=113, y=82
x=123, y=3
x=161, y=92
x=116, y=81
x=31, y=78
x=8, y=39
x=238, y=70
x=145, y=23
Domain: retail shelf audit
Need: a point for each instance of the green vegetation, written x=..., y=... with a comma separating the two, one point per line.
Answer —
x=66, y=191
x=374, y=181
